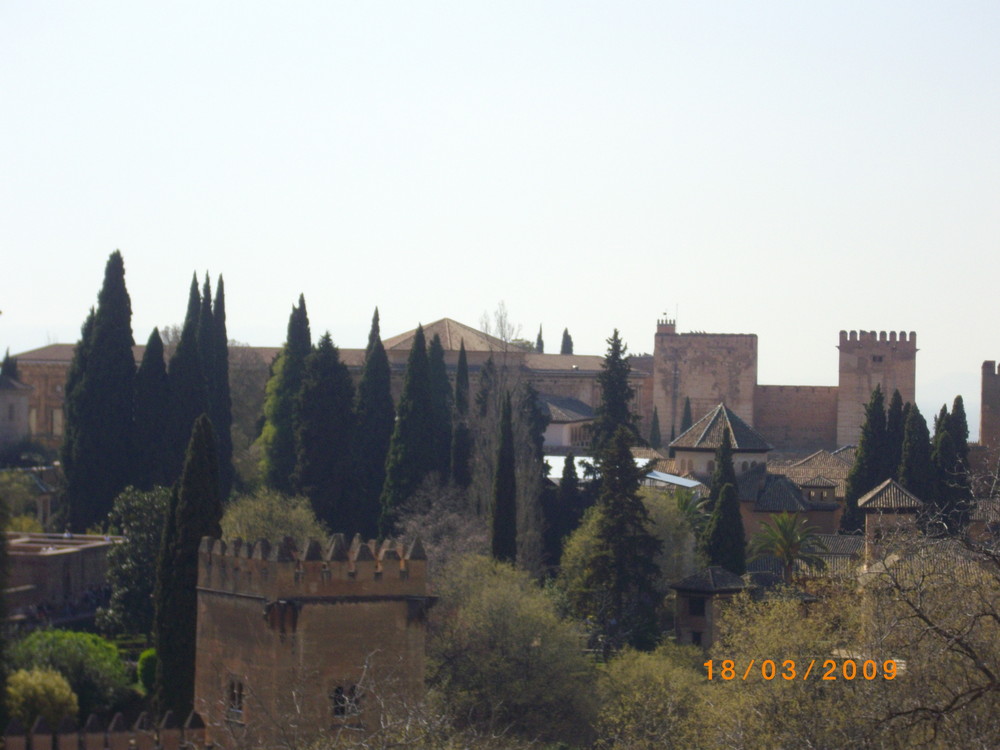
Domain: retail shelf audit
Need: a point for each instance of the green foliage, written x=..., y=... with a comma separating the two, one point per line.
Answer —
x=152, y=401
x=267, y=514
x=790, y=539
x=139, y=518
x=724, y=538
x=324, y=437
x=441, y=408
x=563, y=510
x=91, y=665
x=952, y=495
x=539, y=342
x=724, y=473
x=870, y=462
x=679, y=556
x=461, y=436
x=916, y=471
x=146, y=669
x=895, y=428
x=195, y=511
x=958, y=428
x=411, y=454
x=40, y=692
x=99, y=439
x=8, y=368
x=655, y=438
x=188, y=388
x=615, y=408
x=502, y=660
x=17, y=492
x=503, y=515
x=376, y=417
x=277, y=440
x=686, y=418
x=566, y=347
x=220, y=397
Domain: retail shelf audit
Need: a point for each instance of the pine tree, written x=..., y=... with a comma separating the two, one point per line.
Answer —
x=724, y=472
x=916, y=471
x=539, y=342
x=567, y=343
x=622, y=576
x=503, y=515
x=100, y=405
x=724, y=539
x=324, y=436
x=376, y=416
x=686, y=419
x=278, y=437
x=221, y=400
x=9, y=367
x=152, y=401
x=894, y=429
x=188, y=389
x=441, y=407
x=410, y=454
x=870, y=462
x=196, y=510
x=461, y=436
x=655, y=439
x=617, y=394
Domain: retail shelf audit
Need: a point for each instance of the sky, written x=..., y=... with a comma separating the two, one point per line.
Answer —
x=787, y=169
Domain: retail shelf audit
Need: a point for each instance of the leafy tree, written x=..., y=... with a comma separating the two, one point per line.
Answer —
x=441, y=408
x=146, y=669
x=916, y=471
x=152, y=403
x=790, y=539
x=188, y=389
x=376, y=417
x=461, y=436
x=267, y=514
x=503, y=523
x=410, y=454
x=138, y=516
x=617, y=394
x=219, y=391
x=8, y=368
x=725, y=541
x=278, y=436
x=655, y=438
x=686, y=418
x=91, y=665
x=99, y=440
x=195, y=511
x=724, y=473
x=40, y=692
x=870, y=462
x=567, y=343
x=539, y=342
x=895, y=428
x=325, y=430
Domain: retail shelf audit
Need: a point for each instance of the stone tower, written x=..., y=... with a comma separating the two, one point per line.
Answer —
x=867, y=359
x=989, y=410
x=306, y=638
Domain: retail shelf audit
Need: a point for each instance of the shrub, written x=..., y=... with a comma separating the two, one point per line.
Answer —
x=43, y=692
x=267, y=514
x=147, y=669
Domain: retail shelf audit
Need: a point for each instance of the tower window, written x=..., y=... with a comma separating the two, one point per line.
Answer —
x=877, y=358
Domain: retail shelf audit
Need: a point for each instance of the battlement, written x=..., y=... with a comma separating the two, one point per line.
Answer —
x=990, y=369
x=666, y=325
x=878, y=337
x=311, y=568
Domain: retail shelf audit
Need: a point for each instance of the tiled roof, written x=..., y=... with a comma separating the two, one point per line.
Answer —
x=820, y=465
x=889, y=496
x=562, y=409
x=584, y=363
x=9, y=384
x=707, y=432
x=817, y=481
x=774, y=493
x=714, y=579
x=851, y=545
x=846, y=453
x=452, y=334
x=647, y=453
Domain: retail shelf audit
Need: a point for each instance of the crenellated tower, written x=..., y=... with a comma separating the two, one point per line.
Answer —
x=989, y=409
x=867, y=359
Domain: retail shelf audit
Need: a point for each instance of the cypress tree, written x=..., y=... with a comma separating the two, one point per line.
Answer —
x=958, y=428
x=894, y=429
x=411, y=454
x=75, y=405
x=567, y=343
x=724, y=472
x=441, y=406
x=324, y=435
x=615, y=408
x=206, y=346
x=563, y=511
x=655, y=439
x=725, y=541
x=278, y=435
x=686, y=419
x=195, y=512
x=376, y=416
x=222, y=403
x=461, y=436
x=870, y=462
x=539, y=343
x=503, y=516
x=188, y=389
x=952, y=485
x=529, y=423
x=100, y=405
x=916, y=471
x=152, y=401
x=9, y=367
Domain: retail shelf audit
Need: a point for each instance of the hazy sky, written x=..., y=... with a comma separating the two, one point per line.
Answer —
x=788, y=169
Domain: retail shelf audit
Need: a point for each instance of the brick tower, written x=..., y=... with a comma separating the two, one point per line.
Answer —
x=989, y=409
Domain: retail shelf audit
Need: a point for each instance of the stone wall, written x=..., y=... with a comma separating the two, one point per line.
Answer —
x=797, y=417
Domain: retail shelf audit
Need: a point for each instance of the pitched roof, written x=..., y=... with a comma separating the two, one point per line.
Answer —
x=9, y=384
x=774, y=493
x=817, y=481
x=889, y=496
x=714, y=579
x=707, y=432
x=846, y=453
x=821, y=465
x=563, y=409
x=851, y=545
x=452, y=334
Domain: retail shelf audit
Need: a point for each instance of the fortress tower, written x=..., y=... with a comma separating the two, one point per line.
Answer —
x=868, y=359
x=295, y=637
x=989, y=410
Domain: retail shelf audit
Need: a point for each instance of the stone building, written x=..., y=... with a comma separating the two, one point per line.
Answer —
x=14, y=404
x=296, y=638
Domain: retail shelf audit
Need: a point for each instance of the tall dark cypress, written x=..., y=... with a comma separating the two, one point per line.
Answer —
x=916, y=471
x=894, y=429
x=75, y=405
x=188, y=388
x=617, y=394
x=503, y=515
x=725, y=540
x=441, y=406
x=870, y=462
x=100, y=405
x=567, y=343
x=9, y=366
x=278, y=436
x=152, y=401
x=221, y=400
x=724, y=472
x=539, y=342
x=953, y=496
x=206, y=346
x=325, y=434
x=563, y=511
x=686, y=418
x=958, y=428
x=461, y=436
x=655, y=438
x=411, y=454
x=196, y=511
x=376, y=417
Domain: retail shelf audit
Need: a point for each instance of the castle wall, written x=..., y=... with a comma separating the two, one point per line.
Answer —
x=868, y=359
x=989, y=410
x=796, y=417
